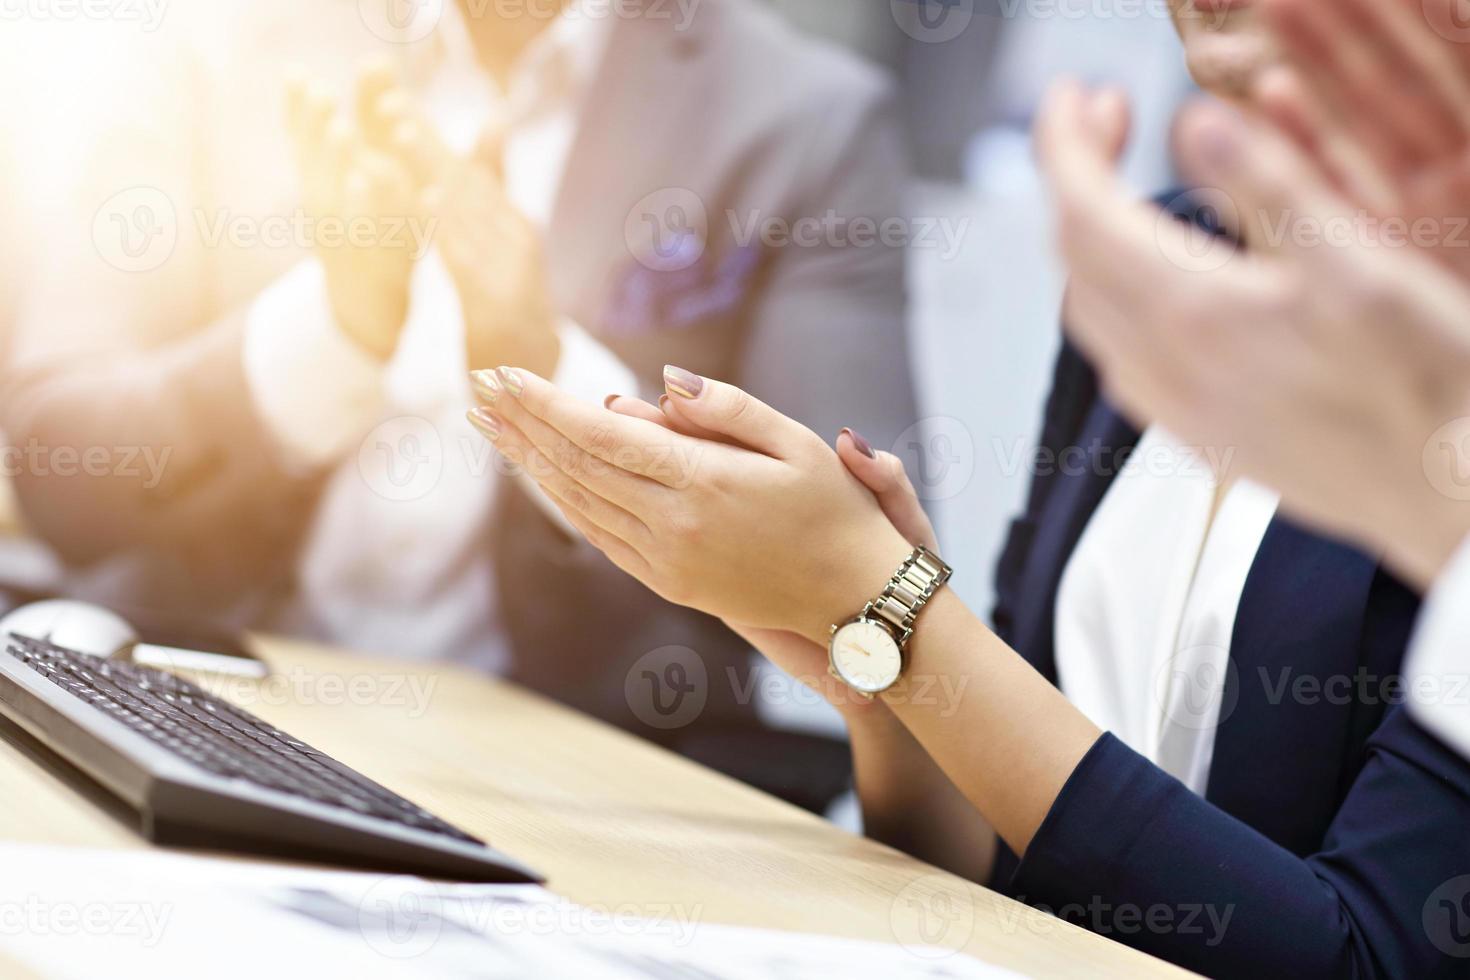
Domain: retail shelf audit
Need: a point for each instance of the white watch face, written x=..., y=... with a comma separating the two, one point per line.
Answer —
x=866, y=656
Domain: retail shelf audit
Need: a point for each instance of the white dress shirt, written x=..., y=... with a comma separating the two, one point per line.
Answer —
x=1438, y=671
x=1147, y=603
x=396, y=560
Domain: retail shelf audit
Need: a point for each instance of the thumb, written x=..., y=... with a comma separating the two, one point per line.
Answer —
x=729, y=411
x=1264, y=177
x=1109, y=116
x=884, y=476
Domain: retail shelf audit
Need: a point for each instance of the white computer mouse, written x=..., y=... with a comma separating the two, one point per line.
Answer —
x=78, y=626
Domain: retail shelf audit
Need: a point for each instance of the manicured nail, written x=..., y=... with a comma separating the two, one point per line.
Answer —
x=607, y=402
x=863, y=446
x=485, y=385
x=512, y=381
x=683, y=383
x=481, y=419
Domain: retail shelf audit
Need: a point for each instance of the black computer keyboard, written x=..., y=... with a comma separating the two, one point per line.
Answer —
x=239, y=774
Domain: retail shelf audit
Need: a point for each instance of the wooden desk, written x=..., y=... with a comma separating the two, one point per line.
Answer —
x=611, y=820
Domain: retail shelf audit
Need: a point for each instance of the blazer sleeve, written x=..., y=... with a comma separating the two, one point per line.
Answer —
x=1155, y=866
x=129, y=388
x=191, y=480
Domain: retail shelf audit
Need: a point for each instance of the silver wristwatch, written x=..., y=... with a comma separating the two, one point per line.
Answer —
x=867, y=653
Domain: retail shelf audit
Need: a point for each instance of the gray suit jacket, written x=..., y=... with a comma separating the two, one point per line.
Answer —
x=735, y=112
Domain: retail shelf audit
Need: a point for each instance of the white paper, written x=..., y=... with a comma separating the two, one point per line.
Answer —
x=72, y=913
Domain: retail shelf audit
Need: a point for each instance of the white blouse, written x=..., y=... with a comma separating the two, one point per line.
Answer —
x=1146, y=609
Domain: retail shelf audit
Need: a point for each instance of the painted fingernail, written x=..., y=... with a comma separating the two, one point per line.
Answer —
x=863, y=446
x=485, y=385
x=608, y=401
x=685, y=384
x=481, y=419
x=511, y=378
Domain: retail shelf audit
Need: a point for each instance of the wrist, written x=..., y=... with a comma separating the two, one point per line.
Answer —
x=373, y=330
x=856, y=580
x=1424, y=543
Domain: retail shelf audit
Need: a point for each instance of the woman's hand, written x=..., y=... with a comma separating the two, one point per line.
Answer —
x=883, y=474
x=1377, y=95
x=774, y=536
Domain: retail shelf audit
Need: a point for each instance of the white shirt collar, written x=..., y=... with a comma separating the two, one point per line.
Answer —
x=559, y=65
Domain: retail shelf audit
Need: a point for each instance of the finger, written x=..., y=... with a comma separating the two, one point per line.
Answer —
x=641, y=495
x=358, y=199
x=311, y=107
x=1110, y=119
x=884, y=476
x=737, y=415
x=632, y=447
x=637, y=408
x=665, y=414
x=295, y=89
x=1101, y=230
x=1265, y=177
x=339, y=149
x=516, y=447
x=1139, y=356
x=417, y=144
x=1283, y=99
x=1354, y=67
x=1447, y=20
x=680, y=422
x=1425, y=66
x=375, y=80
x=619, y=552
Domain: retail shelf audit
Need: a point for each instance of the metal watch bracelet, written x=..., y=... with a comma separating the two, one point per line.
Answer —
x=910, y=589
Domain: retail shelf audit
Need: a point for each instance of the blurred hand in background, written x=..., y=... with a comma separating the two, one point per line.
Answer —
x=388, y=164
x=1327, y=366
x=495, y=257
x=348, y=172
x=1378, y=96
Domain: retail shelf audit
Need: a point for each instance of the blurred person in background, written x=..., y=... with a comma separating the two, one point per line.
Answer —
x=583, y=187
x=1340, y=367
x=1187, y=699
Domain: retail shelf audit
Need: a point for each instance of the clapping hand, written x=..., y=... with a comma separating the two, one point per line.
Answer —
x=1328, y=366
x=348, y=176
x=884, y=476
x=1378, y=96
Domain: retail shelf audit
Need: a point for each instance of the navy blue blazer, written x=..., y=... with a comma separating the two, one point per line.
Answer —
x=1332, y=830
